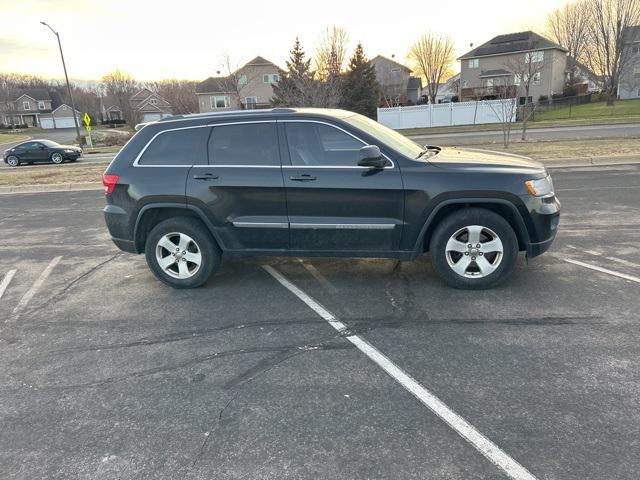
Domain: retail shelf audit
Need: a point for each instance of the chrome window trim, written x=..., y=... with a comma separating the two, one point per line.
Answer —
x=389, y=167
x=344, y=226
x=136, y=162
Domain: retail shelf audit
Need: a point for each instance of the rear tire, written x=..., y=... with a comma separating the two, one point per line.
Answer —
x=181, y=253
x=474, y=249
x=13, y=161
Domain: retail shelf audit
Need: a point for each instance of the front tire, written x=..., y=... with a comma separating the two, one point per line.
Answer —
x=181, y=253
x=57, y=158
x=474, y=249
x=13, y=161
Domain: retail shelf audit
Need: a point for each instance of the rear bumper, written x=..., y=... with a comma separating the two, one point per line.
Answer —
x=125, y=245
x=117, y=221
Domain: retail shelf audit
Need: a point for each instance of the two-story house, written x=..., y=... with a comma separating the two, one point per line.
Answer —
x=143, y=106
x=492, y=69
x=629, y=83
x=248, y=87
x=397, y=85
x=26, y=108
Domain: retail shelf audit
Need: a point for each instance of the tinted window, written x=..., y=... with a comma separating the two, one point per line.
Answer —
x=178, y=147
x=390, y=137
x=28, y=146
x=244, y=144
x=322, y=145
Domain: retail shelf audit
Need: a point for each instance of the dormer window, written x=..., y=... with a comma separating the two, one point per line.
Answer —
x=153, y=101
x=26, y=105
x=41, y=105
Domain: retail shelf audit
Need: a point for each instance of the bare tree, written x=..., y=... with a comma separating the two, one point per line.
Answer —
x=609, y=21
x=331, y=52
x=433, y=57
x=505, y=111
x=181, y=94
x=527, y=71
x=568, y=26
x=121, y=86
x=237, y=78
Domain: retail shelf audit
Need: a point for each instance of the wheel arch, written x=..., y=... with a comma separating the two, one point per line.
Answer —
x=152, y=214
x=503, y=207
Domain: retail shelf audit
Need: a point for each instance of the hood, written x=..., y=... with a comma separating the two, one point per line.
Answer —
x=70, y=147
x=475, y=159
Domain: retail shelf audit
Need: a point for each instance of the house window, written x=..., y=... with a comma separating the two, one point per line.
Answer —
x=26, y=105
x=220, y=101
x=635, y=49
x=517, y=79
x=536, y=78
x=473, y=63
x=41, y=105
x=636, y=72
x=250, y=100
x=525, y=100
x=153, y=101
x=534, y=57
x=488, y=82
x=242, y=80
x=271, y=78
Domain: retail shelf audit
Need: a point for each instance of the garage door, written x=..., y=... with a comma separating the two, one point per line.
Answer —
x=65, y=122
x=46, y=123
x=150, y=117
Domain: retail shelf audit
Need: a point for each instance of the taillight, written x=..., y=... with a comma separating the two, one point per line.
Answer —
x=109, y=182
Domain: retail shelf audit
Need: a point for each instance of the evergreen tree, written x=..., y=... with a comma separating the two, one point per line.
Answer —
x=295, y=85
x=360, y=89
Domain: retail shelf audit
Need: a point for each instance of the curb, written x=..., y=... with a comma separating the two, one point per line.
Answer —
x=55, y=187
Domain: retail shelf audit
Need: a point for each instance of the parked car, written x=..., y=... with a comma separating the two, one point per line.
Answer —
x=38, y=151
x=188, y=190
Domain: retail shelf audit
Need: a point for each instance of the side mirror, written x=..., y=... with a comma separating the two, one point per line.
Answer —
x=370, y=156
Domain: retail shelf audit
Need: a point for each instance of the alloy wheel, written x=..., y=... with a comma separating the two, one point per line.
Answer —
x=178, y=255
x=474, y=251
x=13, y=161
x=56, y=158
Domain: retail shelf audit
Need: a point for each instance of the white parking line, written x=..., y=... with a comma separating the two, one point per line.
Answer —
x=613, y=259
x=467, y=431
x=36, y=285
x=603, y=270
x=319, y=277
x=6, y=280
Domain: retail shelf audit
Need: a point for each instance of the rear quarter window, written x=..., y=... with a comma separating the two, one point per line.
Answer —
x=182, y=147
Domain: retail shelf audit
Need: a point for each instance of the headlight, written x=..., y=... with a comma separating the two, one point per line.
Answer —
x=67, y=150
x=540, y=187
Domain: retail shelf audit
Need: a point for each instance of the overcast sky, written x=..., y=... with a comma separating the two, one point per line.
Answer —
x=153, y=39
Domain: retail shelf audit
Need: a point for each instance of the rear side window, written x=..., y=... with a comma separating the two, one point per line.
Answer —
x=178, y=147
x=317, y=144
x=244, y=144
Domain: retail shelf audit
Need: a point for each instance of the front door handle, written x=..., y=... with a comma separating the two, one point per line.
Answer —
x=303, y=178
x=206, y=176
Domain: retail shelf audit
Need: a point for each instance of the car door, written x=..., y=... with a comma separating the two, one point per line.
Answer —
x=40, y=152
x=27, y=152
x=333, y=204
x=241, y=190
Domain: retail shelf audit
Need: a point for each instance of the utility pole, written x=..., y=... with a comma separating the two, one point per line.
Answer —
x=66, y=77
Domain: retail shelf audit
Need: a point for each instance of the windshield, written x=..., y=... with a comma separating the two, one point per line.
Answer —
x=49, y=143
x=390, y=137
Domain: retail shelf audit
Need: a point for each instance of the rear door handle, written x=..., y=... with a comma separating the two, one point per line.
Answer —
x=303, y=178
x=206, y=176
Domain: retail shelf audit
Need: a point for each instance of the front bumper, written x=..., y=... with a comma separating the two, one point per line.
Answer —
x=544, y=220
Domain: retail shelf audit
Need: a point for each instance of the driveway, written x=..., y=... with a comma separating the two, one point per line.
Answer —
x=320, y=368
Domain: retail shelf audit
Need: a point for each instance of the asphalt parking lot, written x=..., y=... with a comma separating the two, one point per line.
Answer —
x=106, y=373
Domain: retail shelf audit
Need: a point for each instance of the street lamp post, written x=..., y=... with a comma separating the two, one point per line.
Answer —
x=64, y=66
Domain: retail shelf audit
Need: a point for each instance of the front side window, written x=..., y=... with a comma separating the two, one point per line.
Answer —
x=26, y=106
x=220, y=101
x=244, y=144
x=317, y=144
x=391, y=138
x=473, y=63
x=183, y=147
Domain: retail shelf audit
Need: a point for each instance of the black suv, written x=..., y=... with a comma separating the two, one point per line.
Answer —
x=189, y=189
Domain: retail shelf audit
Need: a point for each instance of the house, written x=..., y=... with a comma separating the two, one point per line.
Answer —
x=26, y=108
x=629, y=83
x=248, y=87
x=148, y=106
x=449, y=91
x=61, y=117
x=581, y=77
x=487, y=71
x=142, y=106
x=397, y=85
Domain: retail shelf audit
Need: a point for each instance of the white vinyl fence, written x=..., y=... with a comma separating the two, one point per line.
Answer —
x=447, y=114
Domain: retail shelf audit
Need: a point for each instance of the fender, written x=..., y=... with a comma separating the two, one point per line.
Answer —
x=184, y=206
x=522, y=232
